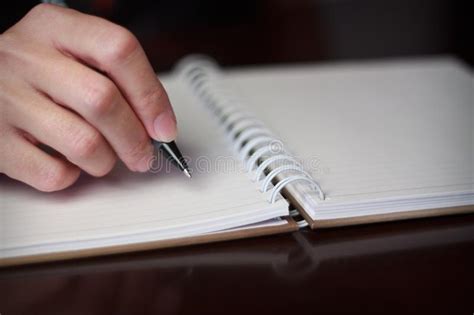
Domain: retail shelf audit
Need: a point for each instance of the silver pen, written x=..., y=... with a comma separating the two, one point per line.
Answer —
x=171, y=152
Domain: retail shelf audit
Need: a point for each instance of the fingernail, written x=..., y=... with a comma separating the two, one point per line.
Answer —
x=165, y=126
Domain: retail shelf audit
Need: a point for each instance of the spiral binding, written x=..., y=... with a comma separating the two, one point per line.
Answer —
x=251, y=140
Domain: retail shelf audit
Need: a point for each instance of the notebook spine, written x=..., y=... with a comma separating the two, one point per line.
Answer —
x=263, y=155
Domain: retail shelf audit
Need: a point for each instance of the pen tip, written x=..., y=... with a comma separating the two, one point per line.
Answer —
x=186, y=172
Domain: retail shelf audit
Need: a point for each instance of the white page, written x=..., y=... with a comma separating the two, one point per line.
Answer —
x=126, y=207
x=371, y=131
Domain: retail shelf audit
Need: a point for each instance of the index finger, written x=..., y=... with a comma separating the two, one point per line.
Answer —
x=115, y=51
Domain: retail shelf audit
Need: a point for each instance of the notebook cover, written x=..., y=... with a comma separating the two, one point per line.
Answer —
x=207, y=238
x=395, y=216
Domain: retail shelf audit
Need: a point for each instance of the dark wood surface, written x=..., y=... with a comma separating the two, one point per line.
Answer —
x=419, y=266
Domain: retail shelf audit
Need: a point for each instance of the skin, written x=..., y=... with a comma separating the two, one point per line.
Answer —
x=82, y=86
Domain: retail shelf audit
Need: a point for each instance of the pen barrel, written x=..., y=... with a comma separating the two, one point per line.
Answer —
x=172, y=154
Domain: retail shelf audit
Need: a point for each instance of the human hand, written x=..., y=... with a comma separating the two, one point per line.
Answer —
x=82, y=86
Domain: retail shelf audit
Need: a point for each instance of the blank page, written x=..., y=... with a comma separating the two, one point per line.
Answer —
x=126, y=208
x=373, y=131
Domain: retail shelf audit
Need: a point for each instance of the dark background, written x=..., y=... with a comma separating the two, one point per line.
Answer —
x=277, y=31
x=418, y=266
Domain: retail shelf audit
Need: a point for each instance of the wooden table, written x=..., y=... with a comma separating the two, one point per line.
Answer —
x=421, y=266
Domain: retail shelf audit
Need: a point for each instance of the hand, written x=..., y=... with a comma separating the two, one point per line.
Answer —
x=83, y=87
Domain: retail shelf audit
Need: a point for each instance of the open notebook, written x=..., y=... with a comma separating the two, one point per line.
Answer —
x=344, y=144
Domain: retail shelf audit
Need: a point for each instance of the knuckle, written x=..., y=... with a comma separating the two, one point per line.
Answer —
x=39, y=9
x=55, y=178
x=101, y=97
x=87, y=144
x=42, y=10
x=122, y=44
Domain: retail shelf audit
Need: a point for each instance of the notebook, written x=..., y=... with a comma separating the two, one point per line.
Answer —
x=271, y=149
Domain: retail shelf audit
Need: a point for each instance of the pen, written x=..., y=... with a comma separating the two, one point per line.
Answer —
x=172, y=154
